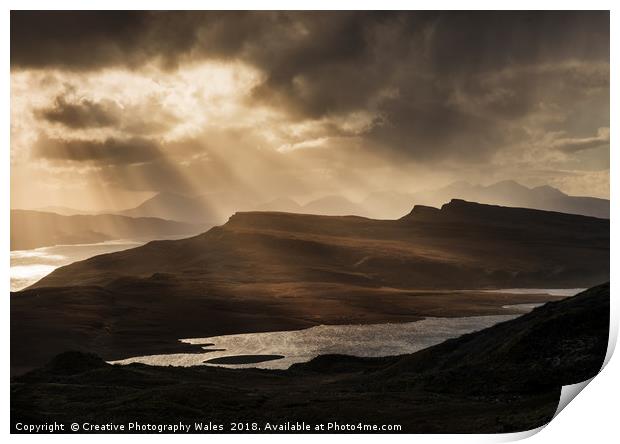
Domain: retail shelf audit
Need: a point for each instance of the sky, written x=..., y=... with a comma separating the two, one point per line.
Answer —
x=109, y=108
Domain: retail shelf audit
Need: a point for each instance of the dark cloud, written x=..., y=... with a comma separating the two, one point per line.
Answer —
x=107, y=152
x=87, y=40
x=442, y=83
x=428, y=130
x=82, y=114
x=146, y=118
x=318, y=49
x=77, y=39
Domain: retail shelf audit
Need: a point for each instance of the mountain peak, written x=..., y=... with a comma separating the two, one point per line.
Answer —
x=508, y=186
x=420, y=212
x=548, y=191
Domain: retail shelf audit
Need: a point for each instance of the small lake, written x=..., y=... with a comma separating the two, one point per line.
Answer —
x=550, y=291
x=28, y=266
x=281, y=349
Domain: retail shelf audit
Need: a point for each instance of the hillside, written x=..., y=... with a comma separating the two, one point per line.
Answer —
x=461, y=245
x=33, y=229
x=511, y=193
x=387, y=204
x=505, y=378
x=279, y=271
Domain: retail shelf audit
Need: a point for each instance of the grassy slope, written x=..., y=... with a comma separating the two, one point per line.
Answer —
x=461, y=246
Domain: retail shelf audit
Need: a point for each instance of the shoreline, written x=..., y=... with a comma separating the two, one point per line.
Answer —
x=490, y=377
x=142, y=329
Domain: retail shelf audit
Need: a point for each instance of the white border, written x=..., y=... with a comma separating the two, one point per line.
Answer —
x=592, y=417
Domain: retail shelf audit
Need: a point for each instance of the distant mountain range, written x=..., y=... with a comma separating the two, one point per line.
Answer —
x=393, y=204
x=513, y=194
x=266, y=271
x=67, y=211
x=332, y=205
x=33, y=229
x=174, y=206
x=216, y=208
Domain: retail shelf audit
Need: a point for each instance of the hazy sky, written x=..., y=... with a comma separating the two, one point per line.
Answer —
x=108, y=108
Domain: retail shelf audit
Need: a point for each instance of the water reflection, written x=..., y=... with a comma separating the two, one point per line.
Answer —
x=28, y=266
x=303, y=345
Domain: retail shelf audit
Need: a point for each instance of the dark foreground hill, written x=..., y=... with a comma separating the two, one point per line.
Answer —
x=279, y=271
x=505, y=378
x=34, y=229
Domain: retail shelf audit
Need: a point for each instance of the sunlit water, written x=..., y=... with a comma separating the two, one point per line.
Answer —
x=549, y=291
x=303, y=345
x=373, y=340
x=28, y=266
x=525, y=308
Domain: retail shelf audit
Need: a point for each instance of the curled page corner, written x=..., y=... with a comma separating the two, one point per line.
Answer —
x=518, y=436
x=568, y=394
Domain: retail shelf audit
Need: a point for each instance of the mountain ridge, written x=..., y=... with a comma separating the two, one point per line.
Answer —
x=34, y=229
x=513, y=194
x=306, y=236
x=464, y=207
